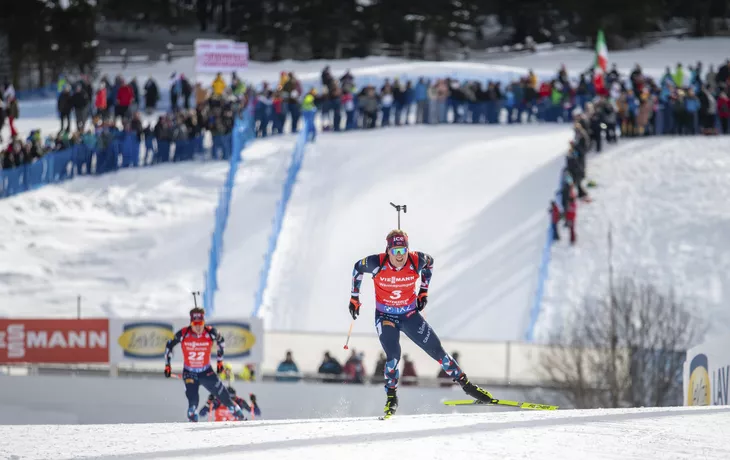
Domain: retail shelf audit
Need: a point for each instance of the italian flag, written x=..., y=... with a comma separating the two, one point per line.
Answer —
x=601, y=66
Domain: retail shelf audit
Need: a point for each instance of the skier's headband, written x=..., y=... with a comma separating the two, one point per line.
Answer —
x=197, y=318
x=398, y=241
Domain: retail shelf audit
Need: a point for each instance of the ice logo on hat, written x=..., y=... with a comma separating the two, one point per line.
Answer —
x=197, y=318
x=398, y=241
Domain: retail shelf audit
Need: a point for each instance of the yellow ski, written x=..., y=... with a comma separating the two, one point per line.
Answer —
x=500, y=402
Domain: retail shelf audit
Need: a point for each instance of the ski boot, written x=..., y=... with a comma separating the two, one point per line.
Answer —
x=391, y=404
x=237, y=412
x=474, y=391
x=192, y=416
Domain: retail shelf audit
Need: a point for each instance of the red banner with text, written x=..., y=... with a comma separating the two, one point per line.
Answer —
x=65, y=341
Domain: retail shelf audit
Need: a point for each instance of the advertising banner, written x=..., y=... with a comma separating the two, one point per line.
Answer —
x=145, y=340
x=67, y=341
x=225, y=56
x=707, y=374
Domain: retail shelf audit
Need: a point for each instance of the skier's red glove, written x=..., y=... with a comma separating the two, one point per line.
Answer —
x=422, y=299
x=354, y=307
x=168, y=371
x=219, y=367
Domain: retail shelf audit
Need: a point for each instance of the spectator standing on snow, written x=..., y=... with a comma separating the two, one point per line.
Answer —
x=80, y=103
x=708, y=110
x=11, y=108
x=186, y=90
x=64, y=105
x=174, y=91
x=347, y=82
x=678, y=76
x=201, y=95
x=125, y=98
x=555, y=217
x=151, y=95
x=135, y=91
x=692, y=107
x=218, y=86
x=420, y=95
x=571, y=212
x=100, y=101
x=646, y=108
x=723, y=112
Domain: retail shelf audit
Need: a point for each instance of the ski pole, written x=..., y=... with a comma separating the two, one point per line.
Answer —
x=399, y=207
x=177, y=376
x=348, y=334
x=195, y=298
x=253, y=406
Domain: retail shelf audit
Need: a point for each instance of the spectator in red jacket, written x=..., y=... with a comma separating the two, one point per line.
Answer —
x=125, y=97
x=100, y=101
x=571, y=211
x=723, y=111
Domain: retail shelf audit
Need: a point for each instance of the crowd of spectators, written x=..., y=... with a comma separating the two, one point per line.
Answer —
x=110, y=109
x=682, y=102
x=353, y=370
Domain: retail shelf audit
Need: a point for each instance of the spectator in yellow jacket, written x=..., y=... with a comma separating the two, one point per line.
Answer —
x=218, y=85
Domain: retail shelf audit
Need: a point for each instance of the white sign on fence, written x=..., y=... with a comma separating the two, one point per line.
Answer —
x=145, y=340
x=225, y=56
x=707, y=374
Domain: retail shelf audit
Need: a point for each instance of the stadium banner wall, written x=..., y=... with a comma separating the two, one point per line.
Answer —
x=144, y=340
x=54, y=341
x=224, y=56
x=707, y=374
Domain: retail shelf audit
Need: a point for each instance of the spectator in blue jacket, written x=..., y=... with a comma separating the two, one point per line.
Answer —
x=330, y=366
x=692, y=106
x=421, y=98
x=288, y=366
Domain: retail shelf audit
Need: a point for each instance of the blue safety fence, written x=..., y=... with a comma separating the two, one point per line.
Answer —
x=296, y=163
x=542, y=273
x=45, y=92
x=103, y=154
x=242, y=135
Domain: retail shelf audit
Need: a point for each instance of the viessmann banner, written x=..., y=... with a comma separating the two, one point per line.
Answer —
x=145, y=340
x=65, y=341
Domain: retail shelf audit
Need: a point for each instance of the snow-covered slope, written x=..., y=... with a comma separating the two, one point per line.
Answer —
x=132, y=243
x=253, y=204
x=666, y=199
x=477, y=202
x=672, y=433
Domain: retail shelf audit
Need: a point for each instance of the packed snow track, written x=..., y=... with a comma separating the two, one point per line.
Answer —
x=659, y=433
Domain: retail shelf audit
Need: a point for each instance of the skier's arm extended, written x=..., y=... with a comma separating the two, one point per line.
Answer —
x=425, y=267
x=220, y=342
x=369, y=264
x=213, y=332
x=170, y=345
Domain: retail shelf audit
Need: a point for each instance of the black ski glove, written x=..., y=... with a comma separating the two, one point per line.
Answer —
x=354, y=307
x=168, y=371
x=422, y=299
